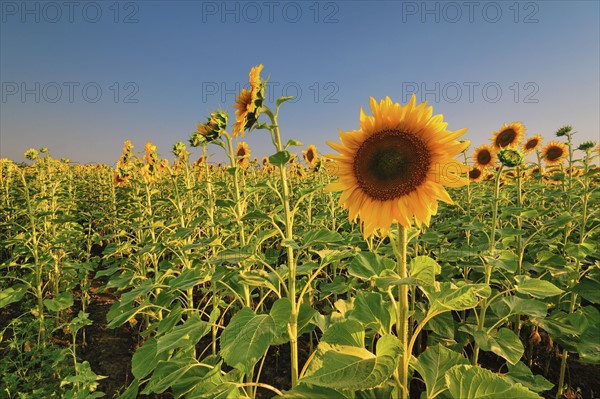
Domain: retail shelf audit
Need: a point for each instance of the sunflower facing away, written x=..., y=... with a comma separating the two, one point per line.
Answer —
x=484, y=156
x=532, y=144
x=395, y=167
x=310, y=155
x=248, y=103
x=554, y=153
x=242, y=153
x=508, y=136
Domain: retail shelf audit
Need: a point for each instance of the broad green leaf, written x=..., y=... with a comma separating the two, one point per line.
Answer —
x=536, y=288
x=424, y=269
x=184, y=336
x=372, y=311
x=281, y=311
x=321, y=236
x=450, y=297
x=246, y=339
x=503, y=343
x=145, y=359
x=352, y=368
x=189, y=278
x=589, y=289
x=473, y=382
x=520, y=373
x=432, y=366
x=12, y=294
x=280, y=158
x=303, y=391
x=347, y=332
x=230, y=256
x=63, y=301
x=166, y=374
x=366, y=265
x=517, y=305
x=143, y=289
x=132, y=391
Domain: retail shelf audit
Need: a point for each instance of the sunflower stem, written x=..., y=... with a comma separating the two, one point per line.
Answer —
x=403, y=310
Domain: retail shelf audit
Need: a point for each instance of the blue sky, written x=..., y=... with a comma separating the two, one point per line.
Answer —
x=82, y=77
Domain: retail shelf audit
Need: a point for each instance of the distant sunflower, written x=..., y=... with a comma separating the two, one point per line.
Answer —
x=508, y=136
x=242, y=153
x=396, y=166
x=554, y=153
x=248, y=103
x=484, y=156
x=532, y=144
x=475, y=174
x=310, y=155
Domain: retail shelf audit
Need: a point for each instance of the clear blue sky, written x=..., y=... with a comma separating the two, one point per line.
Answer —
x=165, y=65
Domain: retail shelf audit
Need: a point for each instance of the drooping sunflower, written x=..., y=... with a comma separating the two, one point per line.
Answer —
x=242, y=153
x=484, y=156
x=310, y=155
x=532, y=143
x=396, y=166
x=508, y=136
x=248, y=103
x=475, y=174
x=554, y=153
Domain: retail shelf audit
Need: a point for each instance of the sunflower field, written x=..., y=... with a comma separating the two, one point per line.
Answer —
x=403, y=265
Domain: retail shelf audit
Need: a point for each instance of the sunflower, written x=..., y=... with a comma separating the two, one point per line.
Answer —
x=532, y=144
x=242, y=153
x=396, y=166
x=484, y=156
x=554, y=153
x=475, y=174
x=310, y=156
x=508, y=136
x=248, y=103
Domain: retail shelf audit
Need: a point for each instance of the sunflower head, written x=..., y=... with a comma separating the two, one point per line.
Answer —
x=210, y=130
x=475, y=174
x=242, y=153
x=31, y=154
x=396, y=166
x=484, y=156
x=180, y=151
x=249, y=103
x=532, y=143
x=310, y=156
x=508, y=136
x=554, y=153
x=564, y=131
x=510, y=157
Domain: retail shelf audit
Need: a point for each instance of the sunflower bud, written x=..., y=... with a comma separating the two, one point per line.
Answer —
x=564, y=131
x=31, y=154
x=587, y=145
x=510, y=157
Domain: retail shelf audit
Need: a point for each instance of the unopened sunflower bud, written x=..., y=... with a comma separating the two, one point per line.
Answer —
x=510, y=157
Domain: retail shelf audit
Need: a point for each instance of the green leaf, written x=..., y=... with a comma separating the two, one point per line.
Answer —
x=366, y=265
x=145, y=359
x=520, y=373
x=450, y=297
x=280, y=158
x=346, y=332
x=424, y=269
x=503, y=343
x=372, y=311
x=290, y=142
x=472, y=382
x=63, y=301
x=536, y=288
x=281, y=311
x=132, y=391
x=589, y=289
x=517, y=305
x=246, y=339
x=432, y=366
x=303, y=391
x=280, y=101
x=189, y=278
x=322, y=236
x=184, y=336
x=12, y=294
x=352, y=368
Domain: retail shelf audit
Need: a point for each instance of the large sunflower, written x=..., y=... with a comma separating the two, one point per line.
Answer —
x=396, y=166
x=532, y=143
x=554, y=153
x=310, y=155
x=248, y=103
x=508, y=136
x=484, y=156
